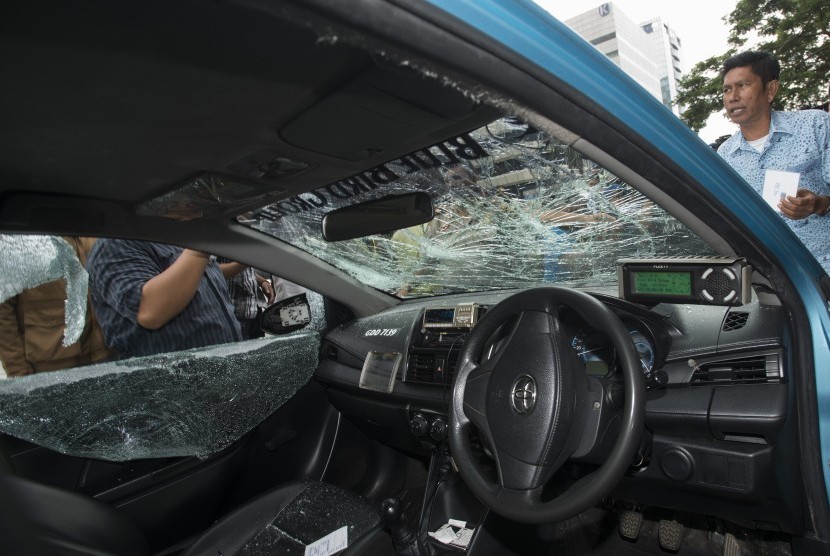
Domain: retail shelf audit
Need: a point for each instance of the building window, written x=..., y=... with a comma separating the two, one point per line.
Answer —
x=602, y=39
x=648, y=28
x=666, y=92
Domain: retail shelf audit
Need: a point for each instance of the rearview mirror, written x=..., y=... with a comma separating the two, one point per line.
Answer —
x=386, y=214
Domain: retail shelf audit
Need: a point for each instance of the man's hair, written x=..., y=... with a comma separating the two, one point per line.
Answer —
x=763, y=64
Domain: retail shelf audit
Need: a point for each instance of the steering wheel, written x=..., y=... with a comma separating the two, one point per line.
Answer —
x=530, y=400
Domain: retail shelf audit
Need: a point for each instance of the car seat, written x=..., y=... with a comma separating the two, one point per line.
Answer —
x=40, y=519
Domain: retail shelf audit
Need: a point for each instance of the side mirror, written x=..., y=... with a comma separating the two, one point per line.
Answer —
x=387, y=214
x=287, y=315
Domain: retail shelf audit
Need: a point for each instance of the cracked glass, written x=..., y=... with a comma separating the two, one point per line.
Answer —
x=68, y=392
x=514, y=208
x=32, y=261
x=318, y=510
x=188, y=403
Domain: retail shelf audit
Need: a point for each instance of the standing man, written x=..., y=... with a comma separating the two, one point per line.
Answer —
x=797, y=142
x=156, y=298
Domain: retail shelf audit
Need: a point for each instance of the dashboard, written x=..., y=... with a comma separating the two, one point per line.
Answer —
x=435, y=346
x=717, y=380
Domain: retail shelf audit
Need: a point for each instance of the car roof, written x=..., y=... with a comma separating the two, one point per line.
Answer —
x=126, y=102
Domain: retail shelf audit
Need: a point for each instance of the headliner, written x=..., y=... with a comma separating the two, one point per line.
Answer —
x=126, y=101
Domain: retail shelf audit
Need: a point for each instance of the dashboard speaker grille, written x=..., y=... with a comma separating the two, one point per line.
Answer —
x=735, y=320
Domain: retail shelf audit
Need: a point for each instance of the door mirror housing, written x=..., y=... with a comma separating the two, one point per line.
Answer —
x=287, y=315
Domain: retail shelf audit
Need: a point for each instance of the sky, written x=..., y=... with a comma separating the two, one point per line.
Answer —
x=699, y=24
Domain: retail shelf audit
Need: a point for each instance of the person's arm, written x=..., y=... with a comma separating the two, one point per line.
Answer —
x=12, y=350
x=267, y=288
x=231, y=269
x=167, y=294
x=804, y=204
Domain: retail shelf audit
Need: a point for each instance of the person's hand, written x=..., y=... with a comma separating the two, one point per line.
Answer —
x=803, y=204
x=268, y=289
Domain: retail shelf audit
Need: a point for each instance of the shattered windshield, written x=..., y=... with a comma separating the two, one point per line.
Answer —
x=514, y=208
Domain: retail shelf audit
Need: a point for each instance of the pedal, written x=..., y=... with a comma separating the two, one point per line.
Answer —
x=670, y=535
x=731, y=546
x=630, y=522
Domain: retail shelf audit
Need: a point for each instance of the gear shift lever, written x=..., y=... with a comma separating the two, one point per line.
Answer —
x=393, y=516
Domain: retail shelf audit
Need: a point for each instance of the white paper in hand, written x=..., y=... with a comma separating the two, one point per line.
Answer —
x=778, y=185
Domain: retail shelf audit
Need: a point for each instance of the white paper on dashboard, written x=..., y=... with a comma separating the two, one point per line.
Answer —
x=778, y=184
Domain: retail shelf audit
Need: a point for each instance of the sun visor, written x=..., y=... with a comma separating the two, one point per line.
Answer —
x=374, y=112
x=210, y=194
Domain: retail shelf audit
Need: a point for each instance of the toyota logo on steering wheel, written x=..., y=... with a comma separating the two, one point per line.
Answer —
x=523, y=394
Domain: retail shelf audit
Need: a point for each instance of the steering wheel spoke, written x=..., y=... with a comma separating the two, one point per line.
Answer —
x=475, y=396
x=525, y=497
x=519, y=475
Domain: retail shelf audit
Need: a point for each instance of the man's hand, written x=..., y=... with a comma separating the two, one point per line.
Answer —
x=267, y=288
x=803, y=204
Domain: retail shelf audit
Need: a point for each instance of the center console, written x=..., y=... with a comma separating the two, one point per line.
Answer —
x=432, y=359
x=434, y=350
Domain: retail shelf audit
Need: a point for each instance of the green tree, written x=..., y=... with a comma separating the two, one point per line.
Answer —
x=797, y=32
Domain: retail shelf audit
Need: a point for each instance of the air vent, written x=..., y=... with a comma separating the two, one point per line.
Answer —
x=735, y=320
x=740, y=370
x=452, y=362
x=331, y=352
x=430, y=367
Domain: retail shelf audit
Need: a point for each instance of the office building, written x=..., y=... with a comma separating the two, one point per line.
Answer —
x=649, y=52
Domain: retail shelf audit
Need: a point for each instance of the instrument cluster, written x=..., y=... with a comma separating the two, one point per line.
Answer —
x=597, y=352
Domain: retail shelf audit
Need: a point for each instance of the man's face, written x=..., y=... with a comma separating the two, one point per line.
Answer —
x=746, y=99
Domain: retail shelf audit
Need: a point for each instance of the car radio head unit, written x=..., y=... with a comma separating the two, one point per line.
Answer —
x=705, y=281
x=463, y=315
